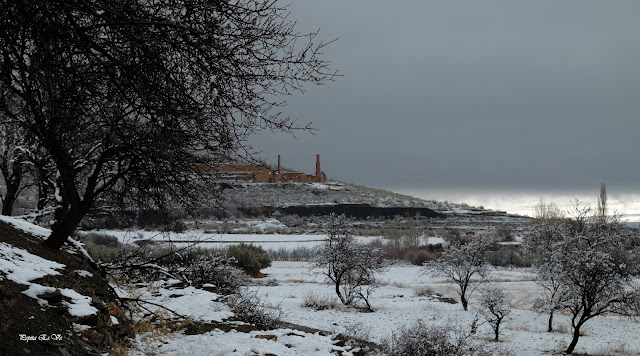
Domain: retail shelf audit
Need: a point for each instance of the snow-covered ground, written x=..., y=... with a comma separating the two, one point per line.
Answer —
x=406, y=295
x=398, y=304
x=267, y=241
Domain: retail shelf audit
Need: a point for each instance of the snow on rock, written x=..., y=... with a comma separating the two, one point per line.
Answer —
x=22, y=267
x=80, y=305
x=83, y=273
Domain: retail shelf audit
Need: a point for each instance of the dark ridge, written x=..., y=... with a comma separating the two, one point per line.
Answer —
x=355, y=210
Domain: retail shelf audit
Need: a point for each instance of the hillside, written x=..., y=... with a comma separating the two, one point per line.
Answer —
x=53, y=302
x=305, y=199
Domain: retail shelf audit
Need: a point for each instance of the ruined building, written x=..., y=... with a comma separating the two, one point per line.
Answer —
x=264, y=174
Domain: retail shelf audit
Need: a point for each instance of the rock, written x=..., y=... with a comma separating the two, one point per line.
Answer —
x=267, y=337
x=53, y=298
x=91, y=320
x=99, y=304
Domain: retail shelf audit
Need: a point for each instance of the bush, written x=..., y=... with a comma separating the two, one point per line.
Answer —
x=216, y=270
x=495, y=308
x=298, y=253
x=249, y=308
x=507, y=257
x=250, y=258
x=96, y=239
x=422, y=340
x=418, y=257
x=315, y=302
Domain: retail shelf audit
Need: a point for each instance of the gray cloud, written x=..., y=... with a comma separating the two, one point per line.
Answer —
x=514, y=95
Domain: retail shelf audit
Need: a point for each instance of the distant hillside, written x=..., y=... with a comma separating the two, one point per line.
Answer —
x=320, y=197
x=332, y=193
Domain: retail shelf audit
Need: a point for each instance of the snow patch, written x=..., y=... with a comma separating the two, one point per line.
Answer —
x=20, y=266
x=25, y=226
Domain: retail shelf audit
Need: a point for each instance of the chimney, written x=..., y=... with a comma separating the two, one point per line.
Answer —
x=318, y=171
x=279, y=166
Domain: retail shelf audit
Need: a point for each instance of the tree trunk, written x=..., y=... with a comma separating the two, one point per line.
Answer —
x=64, y=229
x=550, y=327
x=465, y=302
x=339, y=293
x=7, y=202
x=574, y=341
x=11, y=195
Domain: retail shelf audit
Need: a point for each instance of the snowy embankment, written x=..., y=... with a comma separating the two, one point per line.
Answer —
x=22, y=267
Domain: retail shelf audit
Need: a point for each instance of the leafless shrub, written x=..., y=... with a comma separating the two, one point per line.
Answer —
x=420, y=339
x=316, y=302
x=248, y=307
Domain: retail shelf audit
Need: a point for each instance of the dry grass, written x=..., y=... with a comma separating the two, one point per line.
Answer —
x=613, y=350
x=298, y=281
x=566, y=329
x=561, y=328
x=316, y=302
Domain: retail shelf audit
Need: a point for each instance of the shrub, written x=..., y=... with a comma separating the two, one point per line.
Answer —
x=315, y=302
x=250, y=258
x=298, y=253
x=216, y=270
x=422, y=340
x=418, y=257
x=249, y=308
x=96, y=239
x=507, y=257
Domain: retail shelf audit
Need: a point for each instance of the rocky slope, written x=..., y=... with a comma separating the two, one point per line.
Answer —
x=54, y=302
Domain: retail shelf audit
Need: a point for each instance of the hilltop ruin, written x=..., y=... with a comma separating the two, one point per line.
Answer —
x=264, y=174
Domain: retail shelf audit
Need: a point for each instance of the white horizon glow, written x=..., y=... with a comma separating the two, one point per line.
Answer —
x=523, y=203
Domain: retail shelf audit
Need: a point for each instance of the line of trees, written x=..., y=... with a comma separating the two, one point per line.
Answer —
x=123, y=103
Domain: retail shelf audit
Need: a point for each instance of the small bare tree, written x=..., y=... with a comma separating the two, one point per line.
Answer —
x=348, y=265
x=540, y=242
x=495, y=308
x=464, y=263
x=547, y=211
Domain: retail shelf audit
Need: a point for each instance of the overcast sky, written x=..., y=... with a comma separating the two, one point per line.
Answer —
x=473, y=101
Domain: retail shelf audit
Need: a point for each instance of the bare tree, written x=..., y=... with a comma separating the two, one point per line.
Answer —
x=593, y=265
x=130, y=101
x=495, y=308
x=348, y=265
x=463, y=262
x=602, y=209
x=547, y=211
x=540, y=241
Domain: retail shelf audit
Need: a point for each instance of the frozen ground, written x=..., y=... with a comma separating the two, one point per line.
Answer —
x=406, y=295
x=397, y=304
x=267, y=241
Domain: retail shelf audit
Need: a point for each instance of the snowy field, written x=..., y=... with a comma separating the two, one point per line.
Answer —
x=267, y=241
x=397, y=304
x=401, y=301
x=405, y=296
